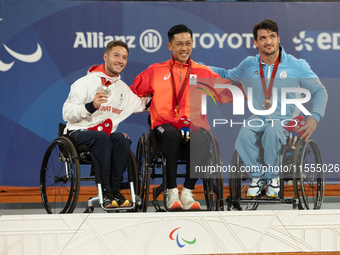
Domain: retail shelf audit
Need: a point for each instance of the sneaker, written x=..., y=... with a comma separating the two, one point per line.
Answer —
x=273, y=187
x=107, y=198
x=119, y=200
x=172, y=200
x=256, y=186
x=188, y=201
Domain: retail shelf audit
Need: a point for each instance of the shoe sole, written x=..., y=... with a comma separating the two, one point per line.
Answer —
x=194, y=207
x=251, y=195
x=176, y=206
x=272, y=195
x=125, y=204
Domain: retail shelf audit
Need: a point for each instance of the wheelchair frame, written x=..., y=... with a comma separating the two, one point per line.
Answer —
x=149, y=157
x=303, y=181
x=60, y=176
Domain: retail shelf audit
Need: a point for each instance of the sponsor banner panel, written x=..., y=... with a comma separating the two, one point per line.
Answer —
x=46, y=46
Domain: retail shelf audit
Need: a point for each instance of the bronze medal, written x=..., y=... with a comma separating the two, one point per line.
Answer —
x=267, y=104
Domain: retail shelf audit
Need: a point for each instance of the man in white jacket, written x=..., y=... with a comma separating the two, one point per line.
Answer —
x=96, y=104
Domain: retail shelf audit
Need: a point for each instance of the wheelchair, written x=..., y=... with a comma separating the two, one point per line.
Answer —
x=60, y=176
x=300, y=164
x=151, y=164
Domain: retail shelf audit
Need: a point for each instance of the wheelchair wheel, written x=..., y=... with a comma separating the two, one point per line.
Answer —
x=60, y=177
x=309, y=180
x=213, y=187
x=143, y=161
x=131, y=175
x=238, y=184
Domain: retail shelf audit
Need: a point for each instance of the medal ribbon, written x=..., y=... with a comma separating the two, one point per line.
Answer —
x=268, y=92
x=105, y=82
x=183, y=86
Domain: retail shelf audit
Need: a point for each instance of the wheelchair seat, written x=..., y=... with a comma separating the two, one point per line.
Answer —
x=60, y=176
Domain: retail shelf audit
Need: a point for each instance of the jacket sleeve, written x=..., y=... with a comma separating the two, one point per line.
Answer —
x=224, y=95
x=136, y=103
x=233, y=75
x=317, y=90
x=74, y=107
x=141, y=85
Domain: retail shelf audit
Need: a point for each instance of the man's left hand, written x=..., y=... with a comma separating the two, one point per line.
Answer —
x=309, y=128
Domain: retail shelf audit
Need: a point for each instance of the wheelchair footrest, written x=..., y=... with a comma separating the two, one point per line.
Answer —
x=157, y=206
x=89, y=209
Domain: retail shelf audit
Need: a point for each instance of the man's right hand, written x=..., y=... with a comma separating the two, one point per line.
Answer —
x=99, y=98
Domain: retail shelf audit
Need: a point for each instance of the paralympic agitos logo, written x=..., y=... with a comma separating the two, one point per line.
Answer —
x=180, y=241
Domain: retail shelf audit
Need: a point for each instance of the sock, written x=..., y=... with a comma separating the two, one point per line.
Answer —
x=185, y=190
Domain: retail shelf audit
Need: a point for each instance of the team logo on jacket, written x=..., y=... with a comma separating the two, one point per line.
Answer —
x=193, y=79
x=283, y=75
x=256, y=72
x=167, y=76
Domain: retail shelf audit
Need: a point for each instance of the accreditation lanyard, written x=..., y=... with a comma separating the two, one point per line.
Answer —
x=183, y=86
x=268, y=92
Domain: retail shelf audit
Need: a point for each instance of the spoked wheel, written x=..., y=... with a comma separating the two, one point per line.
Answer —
x=239, y=184
x=309, y=179
x=60, y=177
x=213, y=186
x=143, y=171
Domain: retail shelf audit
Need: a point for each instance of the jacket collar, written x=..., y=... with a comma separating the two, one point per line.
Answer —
x=100, y=71
x=282, y=52
x=174, y=62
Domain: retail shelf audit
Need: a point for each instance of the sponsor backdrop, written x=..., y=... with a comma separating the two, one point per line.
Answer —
x=46, y=46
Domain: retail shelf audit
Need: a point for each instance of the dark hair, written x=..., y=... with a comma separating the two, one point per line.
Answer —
x=112, y=44
x=177, y=30
x=266, y=24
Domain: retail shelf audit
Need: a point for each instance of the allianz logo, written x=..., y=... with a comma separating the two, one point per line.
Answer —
x=324, y=41
x=150, y=40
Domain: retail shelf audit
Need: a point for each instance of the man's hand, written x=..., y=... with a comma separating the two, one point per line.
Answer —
x=309, y=128
x=99, y=98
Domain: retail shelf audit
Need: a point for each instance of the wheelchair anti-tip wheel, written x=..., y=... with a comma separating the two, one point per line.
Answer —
x=60, y=177
x=309, y=180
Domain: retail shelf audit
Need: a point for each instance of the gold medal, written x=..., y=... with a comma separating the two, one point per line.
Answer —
x=267, y=104
x=176, y=110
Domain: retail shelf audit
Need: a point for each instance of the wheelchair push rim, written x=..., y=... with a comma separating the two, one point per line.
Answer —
x=143, y=161
x=309, y=184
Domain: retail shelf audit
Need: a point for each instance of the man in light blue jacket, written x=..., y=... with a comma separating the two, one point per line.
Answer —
x=265, y=78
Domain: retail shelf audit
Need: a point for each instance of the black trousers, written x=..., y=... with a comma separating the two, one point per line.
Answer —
x=194, y=152
x=112, y=153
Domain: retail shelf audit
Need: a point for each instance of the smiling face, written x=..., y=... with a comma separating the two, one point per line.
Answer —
x=181, y=47
x=267, y=42
x=115, y=60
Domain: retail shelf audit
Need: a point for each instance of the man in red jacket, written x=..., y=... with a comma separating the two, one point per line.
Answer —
x=169, y=83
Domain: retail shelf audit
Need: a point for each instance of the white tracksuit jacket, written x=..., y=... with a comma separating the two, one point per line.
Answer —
x=122, y=102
